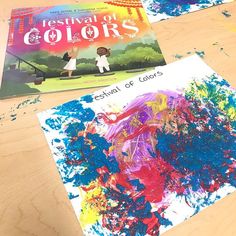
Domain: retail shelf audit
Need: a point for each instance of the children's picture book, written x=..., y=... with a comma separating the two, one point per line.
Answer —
x=77, y=46
x=145, y=154
x=158, y=10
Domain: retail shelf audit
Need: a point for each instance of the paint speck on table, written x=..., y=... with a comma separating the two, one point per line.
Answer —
x=16, y=109
x=13, y=117
x=177, y=56
x=28, y=101
x=200, y=53
x=220, y=48
x=226, y=13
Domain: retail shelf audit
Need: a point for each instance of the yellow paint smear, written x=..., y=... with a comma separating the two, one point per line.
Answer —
x=93, y=202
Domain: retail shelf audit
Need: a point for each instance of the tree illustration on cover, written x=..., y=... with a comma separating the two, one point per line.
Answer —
x=163, y=9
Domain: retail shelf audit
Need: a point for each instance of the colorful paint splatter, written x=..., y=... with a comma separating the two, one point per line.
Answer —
x=163, y=9
x=140, y=166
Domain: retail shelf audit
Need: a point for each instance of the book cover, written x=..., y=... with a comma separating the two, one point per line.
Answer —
x=158, y=10
x=145, y=154
x=77, y=46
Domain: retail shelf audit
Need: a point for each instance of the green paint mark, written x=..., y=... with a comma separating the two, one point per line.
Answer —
x=13, y=110
x=200, y=53
x=29, y=101
x=36, y=100
x=178, y=56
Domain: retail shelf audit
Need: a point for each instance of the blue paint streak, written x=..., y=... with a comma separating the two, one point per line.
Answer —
x=74, y=109
x=200, y=154
x=54, y=123
x=87, y=98
x=177, y=7
x=153, y=154
x=72, y=196
x=163, y=221
x=120, y=187
x=125, y=154
x=136, y=183
x=56, y=140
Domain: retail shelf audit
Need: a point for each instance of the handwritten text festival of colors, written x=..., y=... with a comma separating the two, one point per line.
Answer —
x=128, y=84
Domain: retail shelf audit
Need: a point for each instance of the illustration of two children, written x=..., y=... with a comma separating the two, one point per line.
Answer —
x=101, y=60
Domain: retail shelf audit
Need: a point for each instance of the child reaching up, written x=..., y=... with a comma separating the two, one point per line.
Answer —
x=101, y=60
x=71, y=65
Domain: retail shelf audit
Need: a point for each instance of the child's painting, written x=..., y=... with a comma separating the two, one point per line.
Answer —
x=143, y=155
x=77, y=46
x=158, y=10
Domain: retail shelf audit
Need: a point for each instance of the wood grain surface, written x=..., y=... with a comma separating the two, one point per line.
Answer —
x=33, y=201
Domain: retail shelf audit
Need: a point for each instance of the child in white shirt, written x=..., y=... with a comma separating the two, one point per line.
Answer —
x=101, y=60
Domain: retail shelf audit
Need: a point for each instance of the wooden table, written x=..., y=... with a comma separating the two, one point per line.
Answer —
x=33, y=200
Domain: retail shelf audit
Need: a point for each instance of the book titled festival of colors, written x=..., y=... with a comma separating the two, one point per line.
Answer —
x=77, y=46
x=145, y=154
